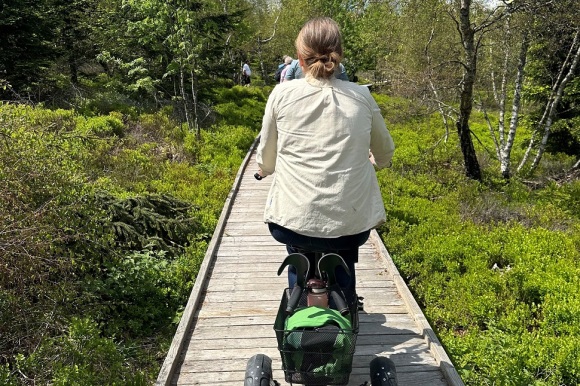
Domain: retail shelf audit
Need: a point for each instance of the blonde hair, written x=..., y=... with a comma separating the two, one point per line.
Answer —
x=319, y=46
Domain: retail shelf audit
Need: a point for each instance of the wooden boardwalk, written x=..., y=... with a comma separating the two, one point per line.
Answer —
x=232, y=307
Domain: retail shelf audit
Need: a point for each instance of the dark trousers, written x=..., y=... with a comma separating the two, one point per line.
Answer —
x=345, y=246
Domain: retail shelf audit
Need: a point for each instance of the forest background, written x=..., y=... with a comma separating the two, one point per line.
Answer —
x=122, y=126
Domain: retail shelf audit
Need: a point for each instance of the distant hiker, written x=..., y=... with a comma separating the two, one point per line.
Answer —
x=287, y=63
x=281, y=67
x=294, y=71
x=246, y=72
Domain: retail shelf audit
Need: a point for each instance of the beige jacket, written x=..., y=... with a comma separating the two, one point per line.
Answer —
x=316, y=136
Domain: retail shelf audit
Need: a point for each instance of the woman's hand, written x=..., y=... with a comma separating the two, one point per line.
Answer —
x=259, y=175
x=372, y=158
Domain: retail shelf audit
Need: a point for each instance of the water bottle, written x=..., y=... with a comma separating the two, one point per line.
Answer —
x=317, y=293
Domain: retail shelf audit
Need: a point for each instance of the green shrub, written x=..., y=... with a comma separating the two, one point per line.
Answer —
x=101, y=126
x=241, y=106
x=138, y=290
x=114, y=214
x=80, y=357
x=494, y=265
x=6, y=377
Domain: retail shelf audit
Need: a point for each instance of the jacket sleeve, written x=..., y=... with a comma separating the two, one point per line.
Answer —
x=267, y=149
x=382, y=145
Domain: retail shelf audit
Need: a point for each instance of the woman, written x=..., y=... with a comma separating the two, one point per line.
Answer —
x=316, y=135
x=287, y=61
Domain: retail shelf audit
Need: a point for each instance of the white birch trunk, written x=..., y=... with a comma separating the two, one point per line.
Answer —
x=195, y=107
x=184, y=96
x=560, y=91
x=505, y=158
x=549, y=106
x=502, y=95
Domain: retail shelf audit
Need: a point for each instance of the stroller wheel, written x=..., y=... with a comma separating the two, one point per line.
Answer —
x=383, y=372
x=259, y=371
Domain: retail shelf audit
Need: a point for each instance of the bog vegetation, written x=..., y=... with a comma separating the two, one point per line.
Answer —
x=122, y=127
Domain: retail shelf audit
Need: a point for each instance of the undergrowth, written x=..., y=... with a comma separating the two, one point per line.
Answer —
x=106, y=219
x=494, y=265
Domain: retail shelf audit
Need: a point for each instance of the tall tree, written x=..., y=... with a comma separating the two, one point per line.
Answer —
x=27, y=46
x=471, y=34
x=178, y=49
x=76, y=32
x=554, y=68
x=506, y=59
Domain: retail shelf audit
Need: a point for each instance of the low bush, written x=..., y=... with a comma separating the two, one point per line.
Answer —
x=107, y=218
x=494, y=265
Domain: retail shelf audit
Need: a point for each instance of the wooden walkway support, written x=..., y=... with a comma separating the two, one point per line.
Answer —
x=231, y=311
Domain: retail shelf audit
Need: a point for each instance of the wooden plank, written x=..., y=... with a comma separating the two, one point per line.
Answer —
x=271, y=308
x=227, y=378
x=366, y=345
x=264, y=293
x=237, y=332
x=238, y=350
x=367, y=322
x=401, y=363
x=232, y=281
x=246, y=265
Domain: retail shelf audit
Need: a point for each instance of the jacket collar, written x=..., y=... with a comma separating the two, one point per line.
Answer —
x=319, y=82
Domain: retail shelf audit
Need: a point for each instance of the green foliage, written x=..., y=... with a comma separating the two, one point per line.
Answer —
x=241, y=106
x=140, y=295
x=494, y=266
x=6, y=377
x=82, y=357
x=156, y=222
x=26, y=47
x=226, y=145
x=107, y=222
x=101, y=126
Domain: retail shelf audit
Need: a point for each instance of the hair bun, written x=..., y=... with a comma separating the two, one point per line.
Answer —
x=319, y=46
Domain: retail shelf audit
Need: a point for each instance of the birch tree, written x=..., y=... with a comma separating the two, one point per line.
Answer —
x=185, y=40
x=504, y=141
x=565, y=74
x=471, y=35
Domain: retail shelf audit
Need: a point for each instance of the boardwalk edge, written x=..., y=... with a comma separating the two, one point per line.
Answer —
x=172, y=359
x=433, y=342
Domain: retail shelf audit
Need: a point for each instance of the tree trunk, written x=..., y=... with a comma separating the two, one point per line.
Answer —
x=501, y=98
x=472, y=169
x=516, y=104
x=546, y=120
x=69, y=43
x=557, y=99
x=184, y=97
x=262, y=68
x=195, y=107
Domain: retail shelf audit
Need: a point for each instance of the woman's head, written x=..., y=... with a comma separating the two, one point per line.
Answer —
x=319, y=47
